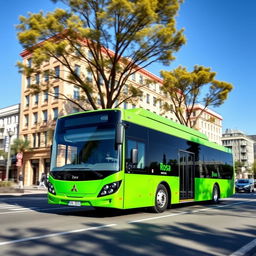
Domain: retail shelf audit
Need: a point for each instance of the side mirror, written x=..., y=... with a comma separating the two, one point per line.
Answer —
x=134, y=156
x=119, y=134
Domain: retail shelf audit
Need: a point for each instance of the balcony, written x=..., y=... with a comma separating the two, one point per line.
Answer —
x=243, y=143
x=244, y=158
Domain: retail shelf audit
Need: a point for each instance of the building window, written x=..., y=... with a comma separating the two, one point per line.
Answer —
x=25, y=137
x=26, y=120
x=56, y=92
x=57, y=71
x=36, y=97
x=89, y=76
x=77, y=70
x=35, y=116
x=45, y=96
x=29, y=62
x=55, y=113
x=125, y=105
x=45, y=115
x=154, y=101
x=46, y=76
x=38, y=140
x=134, y=77
x=148, y=98
x=141, y=80
x=37, y=78
x=75, y=110
x=76, y=94
x=45, y=138
x=27, y=100
x=28, y=81
x=126, y=89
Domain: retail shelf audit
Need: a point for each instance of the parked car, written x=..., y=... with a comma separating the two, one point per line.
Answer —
x=245, y=185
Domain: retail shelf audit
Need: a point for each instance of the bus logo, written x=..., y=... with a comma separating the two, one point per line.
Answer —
x=165, y=167
x=74, y=189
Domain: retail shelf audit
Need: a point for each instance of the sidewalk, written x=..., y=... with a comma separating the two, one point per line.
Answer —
x=27, y=190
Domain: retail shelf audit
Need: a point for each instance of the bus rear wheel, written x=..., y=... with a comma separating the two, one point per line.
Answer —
x=161, y=199
x=215, y=194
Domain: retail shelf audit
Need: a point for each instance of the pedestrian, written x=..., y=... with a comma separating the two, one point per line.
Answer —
x=20, y=181
x=42, y=181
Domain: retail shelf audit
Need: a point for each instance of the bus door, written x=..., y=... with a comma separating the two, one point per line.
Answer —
x=187, y=175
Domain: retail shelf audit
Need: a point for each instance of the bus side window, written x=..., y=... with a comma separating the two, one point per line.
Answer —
x=140, y=146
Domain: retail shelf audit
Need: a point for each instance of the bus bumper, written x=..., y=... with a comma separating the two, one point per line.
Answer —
x=113, y=201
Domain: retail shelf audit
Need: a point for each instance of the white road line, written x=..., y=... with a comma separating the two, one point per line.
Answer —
x=245, y=249
x=54, y=234
x=189, y=212
x=33, y=209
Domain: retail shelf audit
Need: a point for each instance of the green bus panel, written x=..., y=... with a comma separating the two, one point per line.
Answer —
x=204, y=188
x=140, y=190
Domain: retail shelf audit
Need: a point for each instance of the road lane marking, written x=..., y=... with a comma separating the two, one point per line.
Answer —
x=55, y=234
x=190, y=212
x=245, y=249
x=37, y=209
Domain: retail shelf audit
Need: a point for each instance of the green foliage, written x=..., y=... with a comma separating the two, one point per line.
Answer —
x=3, y=154
x=238, y=167
x=189, y=88
x=112, y=39
x=20, y=145
x=5, y=184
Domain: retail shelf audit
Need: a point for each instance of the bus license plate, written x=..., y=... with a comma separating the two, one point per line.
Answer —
x=74, y=203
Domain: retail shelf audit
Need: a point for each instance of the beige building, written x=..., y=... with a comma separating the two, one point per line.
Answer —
x=39, y=111
x=209, y=123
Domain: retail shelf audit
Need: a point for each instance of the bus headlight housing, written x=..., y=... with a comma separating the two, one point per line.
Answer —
x=51, y=188
x=110, y=188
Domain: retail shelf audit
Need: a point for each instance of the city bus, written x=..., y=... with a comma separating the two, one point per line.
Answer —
x=132, y=158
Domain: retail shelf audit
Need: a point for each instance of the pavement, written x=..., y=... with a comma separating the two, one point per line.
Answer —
x=27, y=190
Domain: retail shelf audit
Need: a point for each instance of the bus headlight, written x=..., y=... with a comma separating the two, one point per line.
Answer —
x=51, y=188
x=110, y=188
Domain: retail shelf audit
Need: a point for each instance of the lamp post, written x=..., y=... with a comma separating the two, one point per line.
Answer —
x=10, y=134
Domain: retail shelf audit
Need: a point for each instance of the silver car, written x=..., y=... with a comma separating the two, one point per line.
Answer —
x=245, y=185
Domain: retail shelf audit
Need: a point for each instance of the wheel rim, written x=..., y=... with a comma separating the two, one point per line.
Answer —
x=215, y=195
x=161, y=198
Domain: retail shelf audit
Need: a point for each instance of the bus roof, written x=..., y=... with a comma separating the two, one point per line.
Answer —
x=148, y=119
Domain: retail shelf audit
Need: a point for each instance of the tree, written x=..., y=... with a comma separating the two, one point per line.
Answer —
x=254, y=169
x=20, y=146
x=238, y=168
x=3, y=154
x=112, y=39
x=189, y=88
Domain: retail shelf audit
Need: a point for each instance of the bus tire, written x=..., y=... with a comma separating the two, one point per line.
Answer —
x=215, y=194
x=161, y=199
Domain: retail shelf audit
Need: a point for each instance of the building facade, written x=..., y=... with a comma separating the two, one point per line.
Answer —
x=243, y=150
x=9, y=130
x=39, y=111
x=209, y=123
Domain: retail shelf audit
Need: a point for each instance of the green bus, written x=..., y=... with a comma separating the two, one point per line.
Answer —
x=131, y=158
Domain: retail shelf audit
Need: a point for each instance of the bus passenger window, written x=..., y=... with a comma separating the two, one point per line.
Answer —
x=131, y=144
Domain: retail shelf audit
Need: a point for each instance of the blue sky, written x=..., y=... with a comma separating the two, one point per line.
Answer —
x=221, y=34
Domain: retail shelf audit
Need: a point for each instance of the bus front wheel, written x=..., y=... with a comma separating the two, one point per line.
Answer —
x=161, y=199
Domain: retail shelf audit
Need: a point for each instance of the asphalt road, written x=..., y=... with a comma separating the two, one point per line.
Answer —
x=29, y=226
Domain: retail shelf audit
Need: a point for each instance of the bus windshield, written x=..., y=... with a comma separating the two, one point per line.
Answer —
x=85, y=145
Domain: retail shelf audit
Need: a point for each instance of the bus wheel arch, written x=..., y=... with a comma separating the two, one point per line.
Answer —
x=162, y=198
x=216, y=193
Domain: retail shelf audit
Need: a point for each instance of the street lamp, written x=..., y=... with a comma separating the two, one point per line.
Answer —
x=10, y=134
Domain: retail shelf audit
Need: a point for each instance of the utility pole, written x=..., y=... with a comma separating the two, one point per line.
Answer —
x=10, y=134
